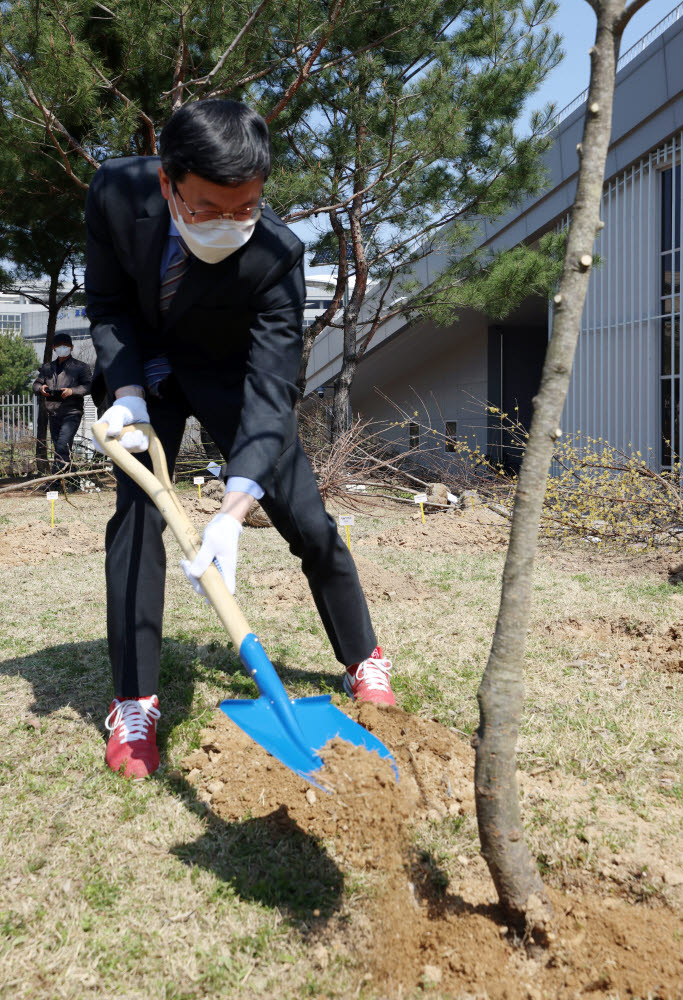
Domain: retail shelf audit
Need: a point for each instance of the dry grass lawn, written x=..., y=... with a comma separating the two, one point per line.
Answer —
x=114, y=889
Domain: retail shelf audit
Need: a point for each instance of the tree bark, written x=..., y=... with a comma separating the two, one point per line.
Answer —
x=341, y=402
x=320, y=322
x=501, y=693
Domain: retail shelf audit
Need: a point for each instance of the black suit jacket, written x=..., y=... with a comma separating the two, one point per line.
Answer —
x=233, y=329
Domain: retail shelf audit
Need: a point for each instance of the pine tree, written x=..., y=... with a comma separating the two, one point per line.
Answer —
x=394, y=126
x=84, y=81
x=401, y=152
x=18, y=364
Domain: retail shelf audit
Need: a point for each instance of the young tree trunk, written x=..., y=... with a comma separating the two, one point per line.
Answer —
x=311, y=333
x=501, y=693
x=341, y=402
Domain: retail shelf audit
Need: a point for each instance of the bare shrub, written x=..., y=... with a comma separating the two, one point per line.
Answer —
x=596, y=491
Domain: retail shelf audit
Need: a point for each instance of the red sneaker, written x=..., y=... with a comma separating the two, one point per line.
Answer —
x=369, y=680
x=132, y=745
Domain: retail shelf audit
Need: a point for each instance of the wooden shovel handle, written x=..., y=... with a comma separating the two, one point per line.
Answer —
x=159, y=489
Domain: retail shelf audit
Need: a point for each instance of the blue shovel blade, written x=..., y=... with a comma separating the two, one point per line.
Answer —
x=296, y=731
x=318, y=722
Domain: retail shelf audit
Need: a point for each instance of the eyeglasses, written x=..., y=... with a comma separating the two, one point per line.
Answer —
x=252, y=214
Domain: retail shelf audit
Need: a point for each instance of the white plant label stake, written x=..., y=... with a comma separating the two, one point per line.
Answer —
x=199, y=482
x=346, y=520
x=52, y=496
x=421, y=498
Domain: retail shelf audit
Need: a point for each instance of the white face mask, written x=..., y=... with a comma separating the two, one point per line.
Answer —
x=213, y=241
x=63, y=352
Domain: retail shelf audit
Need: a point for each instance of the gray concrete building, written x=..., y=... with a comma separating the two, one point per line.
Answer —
x=626, y=380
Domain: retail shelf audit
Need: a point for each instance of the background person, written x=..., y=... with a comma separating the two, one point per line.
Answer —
x=195, y=295
x=63, y=385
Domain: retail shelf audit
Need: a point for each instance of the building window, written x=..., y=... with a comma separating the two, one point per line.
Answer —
x=670, y=315
x=451, y=435
x=10, y=322
x=320, y=304
x=413, y=435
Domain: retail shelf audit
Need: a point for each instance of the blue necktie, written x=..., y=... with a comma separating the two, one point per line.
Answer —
x=158, y=368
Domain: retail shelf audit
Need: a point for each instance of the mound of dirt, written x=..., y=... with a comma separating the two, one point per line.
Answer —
x=629, y=643
x=290, y=586
x=199, y=507
x=435, y=768
x=210, y=503
x=471, y=528
x=32, y=542
x=409, y=933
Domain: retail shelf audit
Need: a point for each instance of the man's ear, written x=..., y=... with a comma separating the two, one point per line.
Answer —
x=164, y=183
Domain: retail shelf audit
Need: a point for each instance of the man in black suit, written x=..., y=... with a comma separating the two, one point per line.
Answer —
x=195, y=295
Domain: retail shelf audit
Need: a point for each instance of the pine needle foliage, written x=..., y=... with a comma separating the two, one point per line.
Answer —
x=397, y=128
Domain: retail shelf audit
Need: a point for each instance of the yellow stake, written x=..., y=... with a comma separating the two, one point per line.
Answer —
x=348, y=536
x=52, y=513
x=199, y=490
x=472, y=499
x=422, y=511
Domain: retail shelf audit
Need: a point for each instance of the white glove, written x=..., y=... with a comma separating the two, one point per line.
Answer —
x=126, y=410
x=219, y=545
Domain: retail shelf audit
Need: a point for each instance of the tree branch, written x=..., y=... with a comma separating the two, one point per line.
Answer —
x=52, y=123
x=206, y=81
x=304, y=72
x=179, y=69
x=112, y=87
x=628, y=13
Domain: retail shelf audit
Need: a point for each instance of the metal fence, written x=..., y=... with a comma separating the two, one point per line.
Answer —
x=18, y=417
x=18, y=428
x=18, y=422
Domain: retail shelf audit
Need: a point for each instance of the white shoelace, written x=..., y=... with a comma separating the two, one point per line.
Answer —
x=375, y=673
x=136, y=716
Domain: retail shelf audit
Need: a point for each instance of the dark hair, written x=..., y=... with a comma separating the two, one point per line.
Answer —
x=62, y=338
x=222, y=141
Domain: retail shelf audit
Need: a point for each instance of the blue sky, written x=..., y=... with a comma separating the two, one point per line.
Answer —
x=576, y=23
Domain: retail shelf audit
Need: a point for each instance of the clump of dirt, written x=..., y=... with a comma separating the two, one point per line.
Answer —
x=599, y=948
x=411, y=931
x=434, y=764
x=290, y=586
x=471, y=528
x=199, y=507
x=210, y=503
x=630, y=643
x=35, y=541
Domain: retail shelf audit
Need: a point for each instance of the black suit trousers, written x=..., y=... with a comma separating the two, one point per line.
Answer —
x=63, y=427
x=135, y=564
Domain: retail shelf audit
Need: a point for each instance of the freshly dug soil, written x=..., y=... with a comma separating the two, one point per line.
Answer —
x=411, y=931
x=472, y=528
x=200, y=509
x=629, y=643
x=581, y=556
x=435, y=768
x=379, y=585
x=34, y=541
